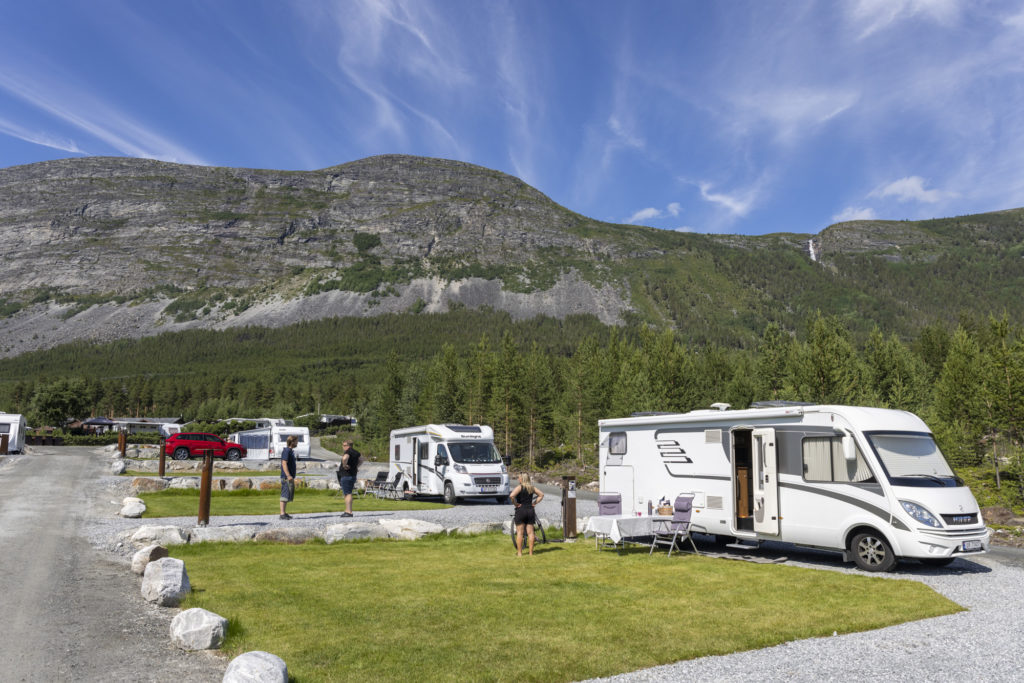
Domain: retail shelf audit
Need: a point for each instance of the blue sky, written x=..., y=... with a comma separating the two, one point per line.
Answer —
x=731, y=117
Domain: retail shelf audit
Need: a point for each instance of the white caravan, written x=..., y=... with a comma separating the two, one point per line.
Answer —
x=267, y=442
x=12, y=431
x=450, y=460
x=868, y=482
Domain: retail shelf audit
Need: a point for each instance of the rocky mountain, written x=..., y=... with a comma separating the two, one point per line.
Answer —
x=104, y=248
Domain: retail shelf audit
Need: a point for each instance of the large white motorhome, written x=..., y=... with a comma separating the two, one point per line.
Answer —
x=12, y=431
x=266, y=442
x=450, y=460
x=868, y=482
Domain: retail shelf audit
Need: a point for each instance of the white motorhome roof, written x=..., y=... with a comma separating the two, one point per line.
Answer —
x=872, y=418
x=449, y=432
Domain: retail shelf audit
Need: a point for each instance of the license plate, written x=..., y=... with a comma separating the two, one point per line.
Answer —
x=971, y=545
x=488, y=489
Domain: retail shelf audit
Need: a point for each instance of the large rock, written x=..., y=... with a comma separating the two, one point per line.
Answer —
x=132, y=507
x=295, y=535
x=148, y=554
x=184, y=483
x=318, y=483
x=476, y=528
x=165, y=582
x=256, y=667
x=148, y=484
x=198, y=629
x=239, y=484
x=354, y=530
x=160, y=535
x=410, y=529
x=234, y=533
x=118, y=467
x=272, y=485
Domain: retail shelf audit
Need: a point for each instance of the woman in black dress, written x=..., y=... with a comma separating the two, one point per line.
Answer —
x=523, y=497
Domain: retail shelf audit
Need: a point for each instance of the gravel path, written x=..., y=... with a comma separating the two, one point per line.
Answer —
x=99, y=628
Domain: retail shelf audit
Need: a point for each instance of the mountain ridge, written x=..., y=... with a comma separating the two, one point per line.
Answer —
x=108, y=247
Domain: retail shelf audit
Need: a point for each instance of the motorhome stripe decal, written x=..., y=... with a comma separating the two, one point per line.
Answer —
x=868, y=507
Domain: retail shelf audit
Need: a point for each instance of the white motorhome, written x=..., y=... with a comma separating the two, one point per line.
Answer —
x=12, y=433
x=266, y=442
x=450, y=460
x=867, y=482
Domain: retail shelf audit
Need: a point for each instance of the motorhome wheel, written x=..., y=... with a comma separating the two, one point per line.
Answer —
x=872, y=553
x=449, y=493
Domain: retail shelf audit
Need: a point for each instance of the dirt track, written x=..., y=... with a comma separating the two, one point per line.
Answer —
x=72, y=613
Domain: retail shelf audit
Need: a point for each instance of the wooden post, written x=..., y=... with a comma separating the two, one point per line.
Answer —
x=204, y=489
x=568, y=507
x=163, y=456
x=122, y=442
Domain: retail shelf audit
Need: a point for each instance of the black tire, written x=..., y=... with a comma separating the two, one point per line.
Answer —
x=234, y=454
x=500, y=500
x=936, y=561
x=449, y=493
x=871, y=552
x=538, y=532
x=180, y=453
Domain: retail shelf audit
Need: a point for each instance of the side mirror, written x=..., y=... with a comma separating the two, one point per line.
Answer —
x=849, y=447
x=440, y=461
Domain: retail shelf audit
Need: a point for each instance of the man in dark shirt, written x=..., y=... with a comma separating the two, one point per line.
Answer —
x=288, y=467
x=347, y=474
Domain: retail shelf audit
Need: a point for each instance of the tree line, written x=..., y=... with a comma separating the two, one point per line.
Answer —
x=543, y=395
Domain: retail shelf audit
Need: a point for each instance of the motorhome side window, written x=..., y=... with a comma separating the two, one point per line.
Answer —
x=398, y=452
x=617, y=443
x=824, y=461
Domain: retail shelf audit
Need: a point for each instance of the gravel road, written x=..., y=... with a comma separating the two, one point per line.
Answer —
x=74, y=610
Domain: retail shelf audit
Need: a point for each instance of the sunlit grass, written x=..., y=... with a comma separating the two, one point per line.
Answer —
x=465, y=609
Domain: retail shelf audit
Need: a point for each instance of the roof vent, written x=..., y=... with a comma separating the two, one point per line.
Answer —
x=721, y=406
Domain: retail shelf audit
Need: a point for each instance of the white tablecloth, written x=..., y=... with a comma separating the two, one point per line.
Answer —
x=617, y=528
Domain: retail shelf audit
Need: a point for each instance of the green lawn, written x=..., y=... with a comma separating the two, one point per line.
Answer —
x=185, y=502
x=466, y=609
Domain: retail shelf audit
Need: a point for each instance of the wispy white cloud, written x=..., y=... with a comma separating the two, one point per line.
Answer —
x=644, y=215
x=65, y=101
x=674, y=209
x=873, y=16
x=909, y=189
x=853, y=213
x=516, y=87
x=39, y=137
x=790, y=113
x=737, y=204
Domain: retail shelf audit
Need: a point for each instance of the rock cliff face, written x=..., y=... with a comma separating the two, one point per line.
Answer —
x=105, y=248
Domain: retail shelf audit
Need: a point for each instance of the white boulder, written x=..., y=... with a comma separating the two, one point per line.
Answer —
x=234, y=533
x=198, y=629
x=165, y=582
x=118, y=467
x=148, y=554
x=160, y=535
x=476, y=528
x=184, y=483
x=410, y=529
x=256, y=667
x=354, y=530
x=132, y=507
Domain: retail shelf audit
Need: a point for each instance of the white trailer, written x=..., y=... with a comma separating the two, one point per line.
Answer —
x=867, y=482
x=266, y=443
x=450, y=460
x=12, y=433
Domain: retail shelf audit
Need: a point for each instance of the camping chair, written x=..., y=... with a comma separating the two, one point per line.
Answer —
x=609, y=503
x=374, y=486
x=677, y=529
x=389, y=489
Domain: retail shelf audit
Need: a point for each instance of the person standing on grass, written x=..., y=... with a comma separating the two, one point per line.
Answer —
x=288, y=467
x=347, y=474
x=526, y=517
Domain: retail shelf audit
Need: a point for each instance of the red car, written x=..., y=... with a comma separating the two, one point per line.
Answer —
x=195, y=444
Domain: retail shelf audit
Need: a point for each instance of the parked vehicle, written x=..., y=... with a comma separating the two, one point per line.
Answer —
x=450, y=460
x=12, y=433
x=185, y=445
x=867, y=482
x=265, y=443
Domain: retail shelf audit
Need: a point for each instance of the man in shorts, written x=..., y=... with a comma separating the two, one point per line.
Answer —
x=288, y=467
x=347, y=474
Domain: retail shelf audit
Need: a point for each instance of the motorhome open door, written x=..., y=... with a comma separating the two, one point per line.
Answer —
x=766, y=483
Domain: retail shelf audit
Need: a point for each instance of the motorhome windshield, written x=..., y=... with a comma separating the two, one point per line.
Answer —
x=912, y=459
x=475, y=453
